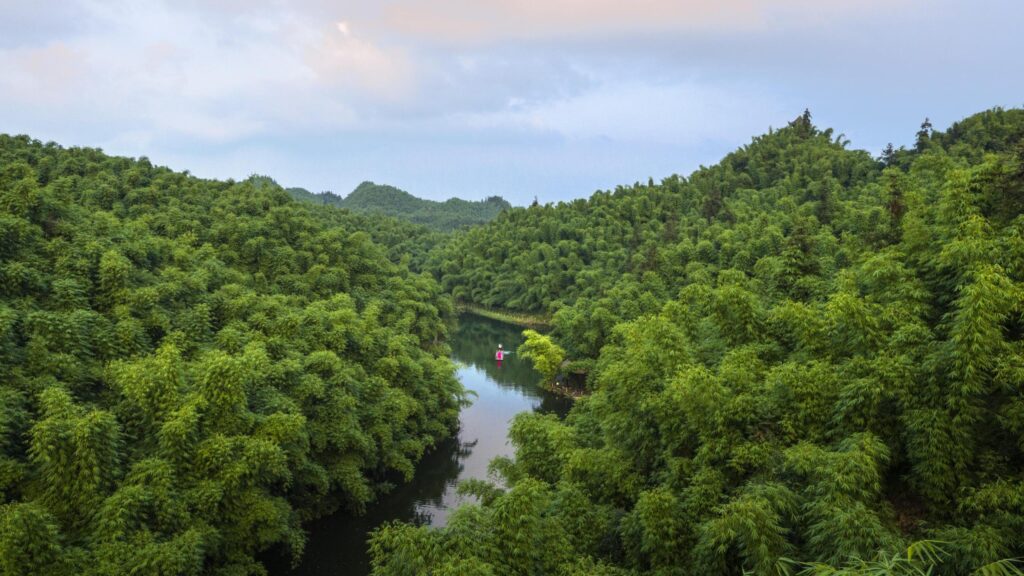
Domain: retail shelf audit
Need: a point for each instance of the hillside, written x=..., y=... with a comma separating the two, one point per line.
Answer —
x=370, y=198
x=800, y=360
x=803, y=360
x=189, y=368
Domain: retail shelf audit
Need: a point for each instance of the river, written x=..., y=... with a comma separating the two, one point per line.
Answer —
x=337, y=543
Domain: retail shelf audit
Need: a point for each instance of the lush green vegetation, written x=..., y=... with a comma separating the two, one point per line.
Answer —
x=191, y=368
x=801, y=360
x=807, y=360
x=524, y=319
x=546, y=356
x=406, y=243
x=788, y=211
x=380, y=199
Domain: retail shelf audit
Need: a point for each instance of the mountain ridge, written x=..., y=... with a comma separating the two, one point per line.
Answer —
x=370, y=197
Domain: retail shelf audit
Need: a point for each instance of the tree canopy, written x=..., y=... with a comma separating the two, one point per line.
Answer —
x=802, y=360
x=384, y=200
x=806, y=360
x=190, y=368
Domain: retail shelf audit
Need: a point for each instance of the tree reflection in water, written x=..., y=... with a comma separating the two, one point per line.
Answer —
x=337, y=543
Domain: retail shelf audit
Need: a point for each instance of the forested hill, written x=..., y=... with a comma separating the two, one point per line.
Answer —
x=808, y=360
x=190, y=368
x=386, y=200
x=788, y=211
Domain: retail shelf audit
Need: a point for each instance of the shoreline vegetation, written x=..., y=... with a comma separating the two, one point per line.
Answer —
x=191, y=369
x=508, y=316
x=564, y=387
x=804, y=359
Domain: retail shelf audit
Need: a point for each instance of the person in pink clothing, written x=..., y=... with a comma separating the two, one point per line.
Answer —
x=500, y=354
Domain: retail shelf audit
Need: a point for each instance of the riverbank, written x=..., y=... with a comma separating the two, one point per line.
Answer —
x=572, y=385
x=522, y=319
x=336, y=544
x=566, y=390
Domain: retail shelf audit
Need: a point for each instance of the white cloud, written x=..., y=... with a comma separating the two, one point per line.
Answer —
x=475, y=22
x=563, y=94
x=682, y=113
x=340, y=58
x=149, y=68
x=229, y=70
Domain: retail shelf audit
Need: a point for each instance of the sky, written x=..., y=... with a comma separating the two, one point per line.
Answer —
x=551, y=99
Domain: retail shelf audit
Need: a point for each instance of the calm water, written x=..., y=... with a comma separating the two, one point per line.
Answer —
x=337, y=544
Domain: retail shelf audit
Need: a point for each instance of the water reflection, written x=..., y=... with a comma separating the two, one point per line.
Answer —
x=475, y=342
x=337, y=543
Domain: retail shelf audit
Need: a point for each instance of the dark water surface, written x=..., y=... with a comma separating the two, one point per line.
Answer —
x=337, y=543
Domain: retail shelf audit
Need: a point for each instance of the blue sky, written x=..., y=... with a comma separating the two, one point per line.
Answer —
x=469, y=98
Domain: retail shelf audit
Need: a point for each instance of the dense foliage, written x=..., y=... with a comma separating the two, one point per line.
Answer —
x=801, y=353
x=546, y=356
x=384, y=200
x=406, y=243
x=190, y=368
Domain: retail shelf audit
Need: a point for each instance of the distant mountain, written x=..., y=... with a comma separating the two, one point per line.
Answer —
x=390, y=201
x=307, y=196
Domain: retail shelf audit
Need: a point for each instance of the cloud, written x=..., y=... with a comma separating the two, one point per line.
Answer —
x=44, y=75
x=680, y=113
x=150, y=69
x=518, y=97
x=475, y=22
x=27, y=24
x=225, y=70
x=340, y=58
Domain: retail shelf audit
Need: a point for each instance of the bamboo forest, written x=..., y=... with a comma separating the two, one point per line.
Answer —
x=803, y=359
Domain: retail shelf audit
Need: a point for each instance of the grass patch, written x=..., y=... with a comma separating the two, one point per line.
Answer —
x=508, y=316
